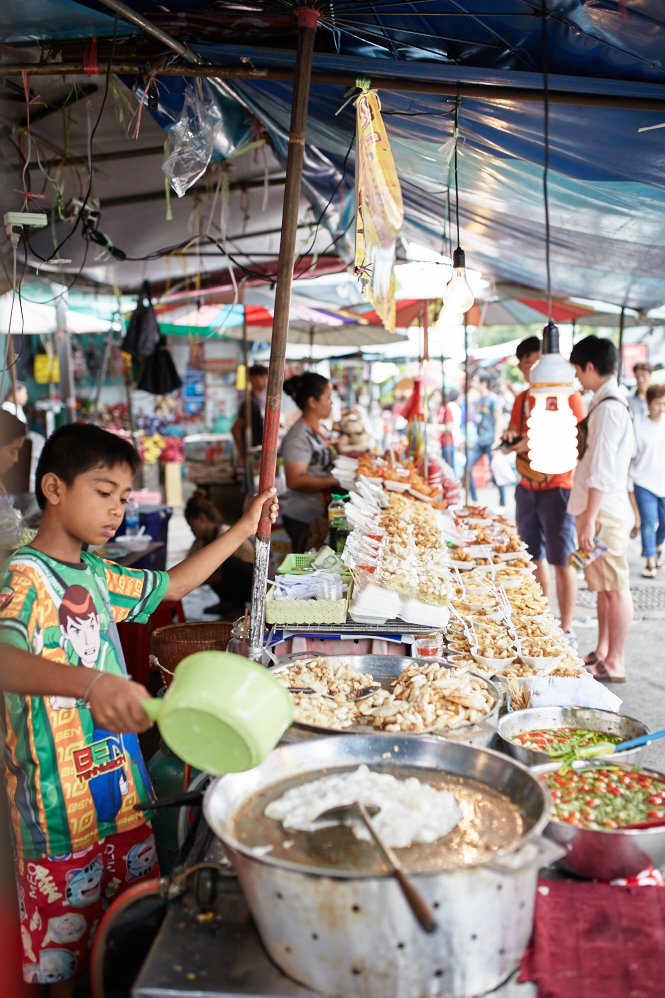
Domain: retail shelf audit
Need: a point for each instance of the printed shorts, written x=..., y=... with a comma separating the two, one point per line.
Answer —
x=62, y=900
x=609, y=572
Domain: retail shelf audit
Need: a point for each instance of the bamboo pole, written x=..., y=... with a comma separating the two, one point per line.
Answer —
x=621, y=322
x=249, y=435
x=307, y=21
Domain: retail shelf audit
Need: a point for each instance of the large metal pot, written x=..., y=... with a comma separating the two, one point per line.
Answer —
x=385, y=669
x=610, y=854
x=349, y=933
x=590, y=718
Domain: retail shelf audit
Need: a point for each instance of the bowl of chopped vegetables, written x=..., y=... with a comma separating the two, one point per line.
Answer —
x=610, y=818
x=541, y=734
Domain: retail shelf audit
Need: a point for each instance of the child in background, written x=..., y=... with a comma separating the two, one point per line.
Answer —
x=73, y=765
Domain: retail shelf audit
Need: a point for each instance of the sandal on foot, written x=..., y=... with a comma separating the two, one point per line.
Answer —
x=603, y=676
x=650, y=573
x=591, y=659
x=660, y=558
x=634, y=532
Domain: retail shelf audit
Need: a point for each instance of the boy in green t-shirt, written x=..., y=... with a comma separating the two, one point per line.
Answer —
x=73, y=765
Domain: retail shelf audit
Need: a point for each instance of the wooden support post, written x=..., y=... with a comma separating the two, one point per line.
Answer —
x=307, y=23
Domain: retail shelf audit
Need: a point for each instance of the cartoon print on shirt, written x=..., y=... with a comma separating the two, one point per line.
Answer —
x=56, y=965
x=36, y=920
x=80, y=635
x=84, y=886
x=141, y=859
x=64, y=929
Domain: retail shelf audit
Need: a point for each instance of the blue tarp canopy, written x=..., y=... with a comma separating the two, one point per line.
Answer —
x=606, y=180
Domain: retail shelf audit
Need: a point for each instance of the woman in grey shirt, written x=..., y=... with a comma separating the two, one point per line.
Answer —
x=307, y=457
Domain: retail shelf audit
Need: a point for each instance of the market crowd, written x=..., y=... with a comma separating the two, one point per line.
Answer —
x=621, y=466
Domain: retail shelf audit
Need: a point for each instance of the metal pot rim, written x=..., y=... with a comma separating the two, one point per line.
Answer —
x=494, y=858
x=541, y=757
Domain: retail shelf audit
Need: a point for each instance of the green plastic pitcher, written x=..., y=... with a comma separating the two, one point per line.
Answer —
x=222, y=713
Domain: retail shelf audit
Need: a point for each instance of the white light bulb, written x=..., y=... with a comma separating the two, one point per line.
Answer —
x=449, y=318
x=458, y=296
x=552, y=432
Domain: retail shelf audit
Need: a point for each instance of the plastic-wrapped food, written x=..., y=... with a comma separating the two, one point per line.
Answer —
x=14, y=531
x=191, y=140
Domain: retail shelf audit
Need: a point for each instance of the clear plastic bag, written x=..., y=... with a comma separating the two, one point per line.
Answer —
x=191, y=140
x=14, y=531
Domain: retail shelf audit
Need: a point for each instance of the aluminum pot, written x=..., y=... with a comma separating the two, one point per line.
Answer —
x=350, y=933
x=537, y=718
x=610, y=854
x=385, y=669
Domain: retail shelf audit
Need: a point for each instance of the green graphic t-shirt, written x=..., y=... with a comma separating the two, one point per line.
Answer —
x=70, y=783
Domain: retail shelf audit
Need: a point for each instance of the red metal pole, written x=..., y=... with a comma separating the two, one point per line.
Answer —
x=307, y=23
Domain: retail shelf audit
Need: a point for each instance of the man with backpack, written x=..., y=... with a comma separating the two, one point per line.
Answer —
x=543, y=520
x=598, y=500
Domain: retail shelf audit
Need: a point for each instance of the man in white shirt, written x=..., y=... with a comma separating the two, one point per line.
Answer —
x=598, y=501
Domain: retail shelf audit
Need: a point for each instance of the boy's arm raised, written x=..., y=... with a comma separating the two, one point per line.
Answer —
x=115, y=702
x=196, y=569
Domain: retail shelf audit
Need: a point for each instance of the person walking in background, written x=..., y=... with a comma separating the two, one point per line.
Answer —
x=450, y=416
x=258, y=377
x=637, y=402
x=647, y=470
x=489, y=423
x=15, y=405
x=598, y=501
x=543, y=520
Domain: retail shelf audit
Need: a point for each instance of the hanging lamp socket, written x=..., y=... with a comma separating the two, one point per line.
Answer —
x=459, y=260
x=550, y=338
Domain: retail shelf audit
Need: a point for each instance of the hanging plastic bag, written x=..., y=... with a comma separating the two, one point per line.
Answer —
x=159, y=375
x=143, y=331
x=191, y=140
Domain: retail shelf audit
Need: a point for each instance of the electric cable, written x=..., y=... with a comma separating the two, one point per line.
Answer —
x=546, y=158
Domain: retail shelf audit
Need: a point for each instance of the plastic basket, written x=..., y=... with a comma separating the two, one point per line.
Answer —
x=294, y=564
x=174, y=642
x=307, y=611
x=297, y=564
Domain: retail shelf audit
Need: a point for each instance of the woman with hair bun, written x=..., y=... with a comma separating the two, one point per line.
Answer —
x=232, y=582
x=307, y=457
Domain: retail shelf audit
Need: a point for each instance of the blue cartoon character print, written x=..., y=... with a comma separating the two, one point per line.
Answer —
x=84, y=886
x=56, y=965
x=141, y=859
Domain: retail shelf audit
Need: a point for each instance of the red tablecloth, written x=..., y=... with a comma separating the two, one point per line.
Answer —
x=597, y=941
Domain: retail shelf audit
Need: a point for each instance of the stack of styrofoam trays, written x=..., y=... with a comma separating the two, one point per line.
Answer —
x=374, y=605
x=412, y=611
x=345, y=471
x=446, y=525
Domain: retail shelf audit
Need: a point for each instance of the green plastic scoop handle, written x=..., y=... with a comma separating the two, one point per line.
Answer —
x=152, y=707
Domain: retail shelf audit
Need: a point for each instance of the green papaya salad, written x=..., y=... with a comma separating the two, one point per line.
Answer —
x=563, y=741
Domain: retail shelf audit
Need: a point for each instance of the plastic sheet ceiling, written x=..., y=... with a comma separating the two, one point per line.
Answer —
x=607, y=186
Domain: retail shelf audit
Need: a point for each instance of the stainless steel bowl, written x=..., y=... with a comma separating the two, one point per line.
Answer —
x=610, y=854
x=385, y=669
x=536, y=718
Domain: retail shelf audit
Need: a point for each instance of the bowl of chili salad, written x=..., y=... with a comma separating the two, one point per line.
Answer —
x=592, y=807
x=542, y=734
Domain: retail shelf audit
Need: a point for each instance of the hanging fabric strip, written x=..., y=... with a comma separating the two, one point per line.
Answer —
x=90, y=59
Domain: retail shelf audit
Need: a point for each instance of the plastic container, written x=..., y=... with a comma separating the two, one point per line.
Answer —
x=131, y=518
x=427, y=646
x=337, y=522
x=222, y=713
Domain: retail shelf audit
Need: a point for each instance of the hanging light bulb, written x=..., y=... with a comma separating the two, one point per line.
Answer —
x=552, y=424
x=458, y=295
x=448, y=318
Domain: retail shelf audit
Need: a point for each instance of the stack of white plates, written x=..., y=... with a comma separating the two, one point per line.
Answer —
x=412, y=611
x=374, y=605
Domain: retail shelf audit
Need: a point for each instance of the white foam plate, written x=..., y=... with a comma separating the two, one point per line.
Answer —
x=396, y=486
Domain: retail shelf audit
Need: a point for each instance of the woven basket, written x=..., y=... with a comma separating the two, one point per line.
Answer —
x=174, y=642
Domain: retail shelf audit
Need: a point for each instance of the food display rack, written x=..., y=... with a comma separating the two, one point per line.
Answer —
x=353, y=629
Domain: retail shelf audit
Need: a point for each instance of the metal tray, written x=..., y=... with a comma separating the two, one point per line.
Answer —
x=385, y=669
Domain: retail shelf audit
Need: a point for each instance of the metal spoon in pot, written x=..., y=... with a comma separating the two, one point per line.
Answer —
x=362, y=694
x=365, y=812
